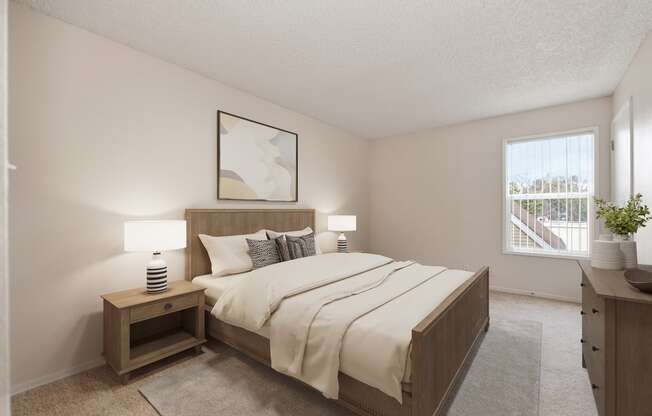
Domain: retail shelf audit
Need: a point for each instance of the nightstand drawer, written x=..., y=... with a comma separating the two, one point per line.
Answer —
x=150, y=310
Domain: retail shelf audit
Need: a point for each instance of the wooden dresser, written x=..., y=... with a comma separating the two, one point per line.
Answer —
x=617, y=342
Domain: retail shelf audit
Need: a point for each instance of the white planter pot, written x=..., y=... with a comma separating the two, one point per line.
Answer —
x=628, y=248
x=607, y=255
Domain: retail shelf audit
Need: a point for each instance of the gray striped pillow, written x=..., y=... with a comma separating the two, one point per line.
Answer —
x=263, y=252
x=281, y=247
x=303, y=246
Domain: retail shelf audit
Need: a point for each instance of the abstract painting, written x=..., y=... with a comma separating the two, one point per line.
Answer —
x=256, y=162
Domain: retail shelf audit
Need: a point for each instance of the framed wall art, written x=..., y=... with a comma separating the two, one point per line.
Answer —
x=255, y=161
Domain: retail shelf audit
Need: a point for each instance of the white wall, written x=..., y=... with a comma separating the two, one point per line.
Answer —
x=637, y=83
x=436, y=196
x=4, y=275
x=102, y=133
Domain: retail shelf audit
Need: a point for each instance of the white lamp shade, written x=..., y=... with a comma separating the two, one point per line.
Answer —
x=155, y=235
x=341, y=223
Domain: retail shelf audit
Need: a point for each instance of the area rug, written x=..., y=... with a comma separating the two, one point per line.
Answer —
x=503, y=380
x=504, y=377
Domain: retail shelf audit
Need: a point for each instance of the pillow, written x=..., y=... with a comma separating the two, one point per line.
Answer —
x=263, y=252
x=228, y=254
x=281, y=247
x=273, y=234
x=303, y=246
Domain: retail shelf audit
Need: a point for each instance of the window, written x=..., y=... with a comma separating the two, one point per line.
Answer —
x=549, y=183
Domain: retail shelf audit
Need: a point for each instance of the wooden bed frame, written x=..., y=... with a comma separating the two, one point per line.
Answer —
x=443, y=343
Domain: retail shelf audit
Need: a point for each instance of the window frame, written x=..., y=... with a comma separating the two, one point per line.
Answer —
x=591, y=220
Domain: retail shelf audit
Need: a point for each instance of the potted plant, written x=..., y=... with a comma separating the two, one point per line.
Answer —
x=624, y=222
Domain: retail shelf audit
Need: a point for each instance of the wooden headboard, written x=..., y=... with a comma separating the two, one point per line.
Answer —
x=220, y=222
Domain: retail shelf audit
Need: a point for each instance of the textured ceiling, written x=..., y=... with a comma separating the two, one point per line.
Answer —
x=380, y=68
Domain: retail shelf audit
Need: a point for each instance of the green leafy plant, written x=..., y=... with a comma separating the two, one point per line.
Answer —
x=623, y=221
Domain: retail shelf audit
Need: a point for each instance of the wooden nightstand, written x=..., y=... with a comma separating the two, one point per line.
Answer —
x=141, y=328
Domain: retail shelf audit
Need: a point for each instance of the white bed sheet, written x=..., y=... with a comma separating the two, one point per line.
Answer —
x=215, y=286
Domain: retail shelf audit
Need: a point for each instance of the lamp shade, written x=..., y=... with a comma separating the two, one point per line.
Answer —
x=155, y=235
x=341, y=223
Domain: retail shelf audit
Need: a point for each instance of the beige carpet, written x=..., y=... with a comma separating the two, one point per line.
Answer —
x=503, y=380
x=565, y=388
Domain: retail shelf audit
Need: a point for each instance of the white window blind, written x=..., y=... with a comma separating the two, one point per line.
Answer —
x=549, y=187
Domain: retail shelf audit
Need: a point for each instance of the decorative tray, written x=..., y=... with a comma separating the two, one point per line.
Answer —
x=640, y=279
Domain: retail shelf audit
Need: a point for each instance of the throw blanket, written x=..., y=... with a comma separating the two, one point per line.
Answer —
x=307, y=331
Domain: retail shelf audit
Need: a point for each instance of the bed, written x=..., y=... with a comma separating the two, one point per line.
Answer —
x=442, y=344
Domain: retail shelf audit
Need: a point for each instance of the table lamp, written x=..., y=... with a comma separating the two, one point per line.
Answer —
x=341, y=223
x=155, y=236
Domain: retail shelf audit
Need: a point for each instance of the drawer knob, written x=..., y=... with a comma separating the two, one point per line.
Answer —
x=582, y=285
x=582, y=313
x=594, y=348
x=594, y=386
x=594, y=310
x=582, y=341
x=167, y=306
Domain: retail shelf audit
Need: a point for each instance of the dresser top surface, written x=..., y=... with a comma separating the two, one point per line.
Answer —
x=612, y=284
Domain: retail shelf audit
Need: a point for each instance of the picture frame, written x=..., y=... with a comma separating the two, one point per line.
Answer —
x=256, y=161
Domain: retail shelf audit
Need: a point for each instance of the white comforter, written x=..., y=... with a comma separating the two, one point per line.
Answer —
x=361, y=306
x=251, y=303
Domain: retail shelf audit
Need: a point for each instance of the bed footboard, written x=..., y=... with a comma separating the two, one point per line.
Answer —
x=444, y=344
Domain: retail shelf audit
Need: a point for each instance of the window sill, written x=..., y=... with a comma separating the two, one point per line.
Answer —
x=548, y=255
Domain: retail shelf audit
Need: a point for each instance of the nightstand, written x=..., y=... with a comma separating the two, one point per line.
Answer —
x=141, y=328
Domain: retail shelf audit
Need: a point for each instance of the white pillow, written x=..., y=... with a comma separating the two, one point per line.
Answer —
x=229, y=254
x=298, y=233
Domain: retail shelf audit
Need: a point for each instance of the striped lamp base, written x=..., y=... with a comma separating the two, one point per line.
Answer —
x=157, y=275
x=342, y=246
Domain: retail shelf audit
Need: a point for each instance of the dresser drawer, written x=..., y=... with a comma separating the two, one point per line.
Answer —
x=588, y=294
x=586, y=305
x=595, y=365
x=150, y=310
x=596, y=323
x=593, y=345
x=593, y=318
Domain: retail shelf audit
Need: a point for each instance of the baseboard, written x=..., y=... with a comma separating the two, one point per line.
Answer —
x=58, y=375
x=534, y=294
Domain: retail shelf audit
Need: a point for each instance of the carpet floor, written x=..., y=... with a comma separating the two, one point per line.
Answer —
x=503, y=380
x=564, y=385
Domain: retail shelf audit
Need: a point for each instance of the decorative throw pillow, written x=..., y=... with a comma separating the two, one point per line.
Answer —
x=299, y=233
x=281, y=246
x=302, y=246
x=263, y=252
